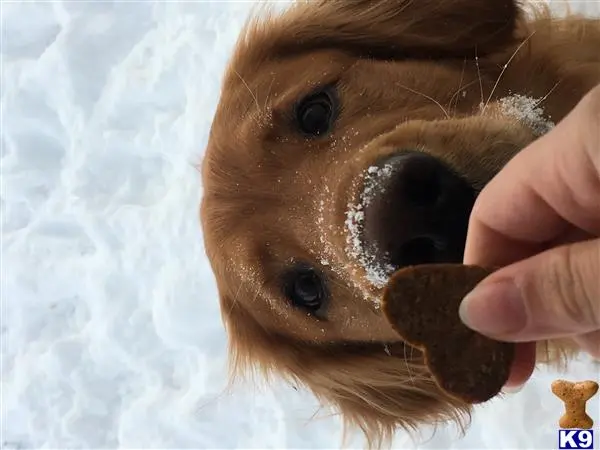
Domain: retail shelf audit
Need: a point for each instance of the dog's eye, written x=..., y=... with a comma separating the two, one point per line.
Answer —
x=305, y=288
x=315, y=113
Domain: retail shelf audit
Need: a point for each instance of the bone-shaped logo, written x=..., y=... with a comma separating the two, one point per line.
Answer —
x=575, y=397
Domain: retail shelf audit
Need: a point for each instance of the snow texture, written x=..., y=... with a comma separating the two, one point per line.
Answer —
x=111, y=332
x=373, y=182
x=527, y=111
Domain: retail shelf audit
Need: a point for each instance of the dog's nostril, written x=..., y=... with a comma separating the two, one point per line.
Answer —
x=418, y=250
x=422, y=189
x=421, y=214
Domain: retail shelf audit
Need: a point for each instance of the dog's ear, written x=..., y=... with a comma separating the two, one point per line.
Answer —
x=389, y=29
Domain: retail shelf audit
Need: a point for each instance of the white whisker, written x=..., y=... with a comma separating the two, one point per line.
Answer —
x=268, y=93
x=428, y=98
x=460, y=86
x=479, y=77
x=504, y=70
x=410, y=376
x=547, y=95
x=249, y=90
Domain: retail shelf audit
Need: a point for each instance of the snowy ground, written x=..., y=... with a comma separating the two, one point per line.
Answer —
x=111, y=334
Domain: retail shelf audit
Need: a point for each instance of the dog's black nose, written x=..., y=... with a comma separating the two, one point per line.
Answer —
x=417, y=211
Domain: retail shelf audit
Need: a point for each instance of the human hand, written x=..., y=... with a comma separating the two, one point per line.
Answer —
x=539, y=219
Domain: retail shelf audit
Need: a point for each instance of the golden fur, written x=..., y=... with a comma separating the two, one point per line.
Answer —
x=424, y=74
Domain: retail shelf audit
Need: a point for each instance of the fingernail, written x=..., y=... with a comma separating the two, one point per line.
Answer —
x=494, y=309
x=513, y=389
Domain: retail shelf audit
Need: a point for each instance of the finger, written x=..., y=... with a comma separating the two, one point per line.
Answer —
x=523, y=365
x=549, y=187
x=553, y=294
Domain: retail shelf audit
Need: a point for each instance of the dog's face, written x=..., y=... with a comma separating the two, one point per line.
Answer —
x=351, y=139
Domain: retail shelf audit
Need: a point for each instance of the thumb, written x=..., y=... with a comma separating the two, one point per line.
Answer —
x=550, y=295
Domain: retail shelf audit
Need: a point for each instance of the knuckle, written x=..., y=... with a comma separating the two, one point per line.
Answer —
x=591, y=123
x=594, y=98
x=591, y=102
x=572, y=275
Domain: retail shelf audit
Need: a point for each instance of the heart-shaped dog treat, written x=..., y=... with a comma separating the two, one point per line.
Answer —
x=421, y=303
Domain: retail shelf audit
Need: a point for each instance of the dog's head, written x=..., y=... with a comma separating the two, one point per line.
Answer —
x=352, y=138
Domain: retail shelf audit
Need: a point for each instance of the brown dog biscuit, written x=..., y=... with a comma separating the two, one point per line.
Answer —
x=575, y=397
x=421, y=303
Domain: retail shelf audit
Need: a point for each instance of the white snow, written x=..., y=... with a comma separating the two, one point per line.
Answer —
x=372, y=184
x=110, y=329
x=528, y=111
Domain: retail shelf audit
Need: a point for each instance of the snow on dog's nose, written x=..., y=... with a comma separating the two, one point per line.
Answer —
x=414, y=209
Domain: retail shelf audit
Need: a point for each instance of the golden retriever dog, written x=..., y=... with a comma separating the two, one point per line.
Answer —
x=352, y=138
